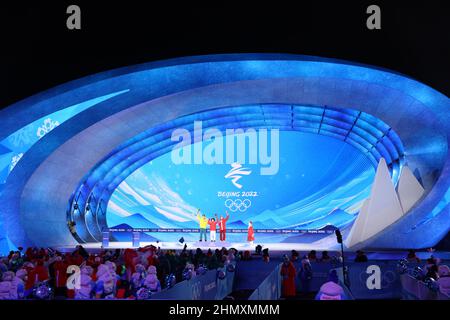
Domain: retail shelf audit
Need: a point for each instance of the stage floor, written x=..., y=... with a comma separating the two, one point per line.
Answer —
x=214, y=245
x=276, y=249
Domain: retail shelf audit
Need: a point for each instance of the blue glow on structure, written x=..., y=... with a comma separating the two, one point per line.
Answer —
x=418, y=115
x=13, y=147
x=23, y=139
x=300, y=196
x=99, y=184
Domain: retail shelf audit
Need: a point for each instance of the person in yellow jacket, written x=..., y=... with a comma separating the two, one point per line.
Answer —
x=203, y=222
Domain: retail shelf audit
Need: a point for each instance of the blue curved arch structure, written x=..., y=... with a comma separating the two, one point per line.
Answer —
x=368, y=134
x=120, y=119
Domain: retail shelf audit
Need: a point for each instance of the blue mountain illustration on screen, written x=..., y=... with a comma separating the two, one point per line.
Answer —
x=138, y=221
x=237, y=225
x=159, y=220
x=337, y=218
x=266, y=224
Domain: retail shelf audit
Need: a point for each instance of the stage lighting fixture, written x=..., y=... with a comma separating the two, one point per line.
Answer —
x=338, y=236
x=181, y=240
x=344, y=268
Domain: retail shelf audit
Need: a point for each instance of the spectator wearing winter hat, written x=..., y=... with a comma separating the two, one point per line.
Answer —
x=444, y=279
x=152, y=283
x=8, y=286
x=104, y=286
x=21, y=276
x=305, y=274
x=112, y=269
x=87, y=285
x=151, y=280
x=191, y=267
x=331, y=290
x=138, y=278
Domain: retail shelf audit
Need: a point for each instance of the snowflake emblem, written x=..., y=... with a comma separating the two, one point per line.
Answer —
x=14, y=161
x=46, y=127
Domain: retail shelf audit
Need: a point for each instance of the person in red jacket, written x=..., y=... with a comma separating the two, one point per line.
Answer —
x=223, y=227
x=130, y=256
x=250, y=233
x=60, y=269
x=212, y=228
x=37, y=274
x=288, y=278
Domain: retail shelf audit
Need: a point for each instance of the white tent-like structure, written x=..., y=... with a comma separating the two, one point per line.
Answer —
x=385, y=205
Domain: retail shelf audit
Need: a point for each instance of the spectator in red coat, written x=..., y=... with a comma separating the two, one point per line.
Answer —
x=77, y=259
x=130, y=256
x=60, y=268
x=288, y=278
x=37, y=274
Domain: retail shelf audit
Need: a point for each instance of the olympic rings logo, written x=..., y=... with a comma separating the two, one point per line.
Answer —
x=238, y=205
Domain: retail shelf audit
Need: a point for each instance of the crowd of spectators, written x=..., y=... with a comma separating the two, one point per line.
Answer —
x=433, y=269
x=108, y=274
x=124, y=273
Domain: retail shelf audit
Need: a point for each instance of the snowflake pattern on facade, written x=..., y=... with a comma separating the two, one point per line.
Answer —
x=15, y=160
x=47, y=126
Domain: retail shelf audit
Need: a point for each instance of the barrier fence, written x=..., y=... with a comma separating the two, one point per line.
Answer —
x=370, y=280
x=413, y=289
x=270, y=288
x=375, y=280
x=382, y=280
x=201, y=287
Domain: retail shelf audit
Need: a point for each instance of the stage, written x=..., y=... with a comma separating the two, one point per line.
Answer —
x=275, y=249
x=241, y=246
x=288, y=164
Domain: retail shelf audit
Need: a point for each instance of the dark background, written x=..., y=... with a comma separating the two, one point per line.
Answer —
x=37, y=51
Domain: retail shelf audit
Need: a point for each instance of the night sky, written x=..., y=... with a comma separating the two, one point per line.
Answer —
x=39, y=52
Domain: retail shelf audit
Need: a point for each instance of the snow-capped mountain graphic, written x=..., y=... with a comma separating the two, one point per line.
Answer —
x=167, y=197
x=137, y=220
x=237, y=225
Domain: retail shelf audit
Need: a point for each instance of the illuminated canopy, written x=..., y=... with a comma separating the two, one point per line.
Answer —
x=381, y=113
